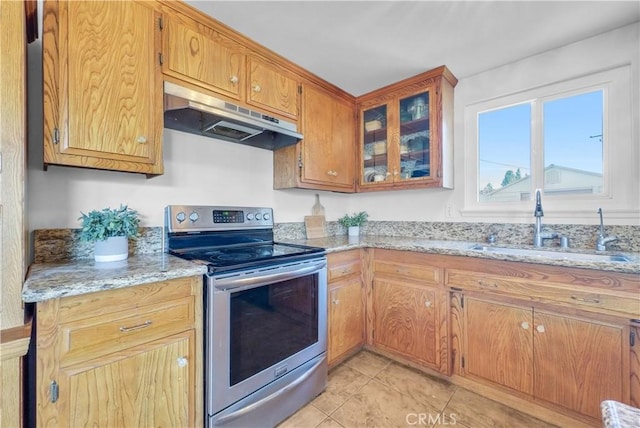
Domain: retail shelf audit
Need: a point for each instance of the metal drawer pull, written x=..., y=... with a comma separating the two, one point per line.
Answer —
x=481, y=283
x=587, y=300
x=145, y=324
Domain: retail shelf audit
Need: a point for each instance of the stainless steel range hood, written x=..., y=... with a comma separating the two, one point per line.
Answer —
x=201, y=114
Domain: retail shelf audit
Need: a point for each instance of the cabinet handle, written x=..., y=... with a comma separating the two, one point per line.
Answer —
x=141, y=139
x=182, y=361
x=388, y=174
x=540, y=328
x=332, y=173
x=428, y=303
x=257, y=88
x=234, y=79
x=145, y=324
x=481, y=283
x=345, y=271
x=395, y=171
x=586, y=300
x=525, y=325
x=336, y=302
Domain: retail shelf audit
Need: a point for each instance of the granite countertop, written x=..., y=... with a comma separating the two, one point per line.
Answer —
x=52, y=280
x=462, y=248
x=619, y=415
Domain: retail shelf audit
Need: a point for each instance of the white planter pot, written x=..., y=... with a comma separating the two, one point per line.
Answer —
x=354, y=230
x=112, y=249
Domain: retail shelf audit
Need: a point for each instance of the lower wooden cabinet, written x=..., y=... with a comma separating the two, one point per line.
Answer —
x=127, y=357
x=346, y=306
x=565, y=360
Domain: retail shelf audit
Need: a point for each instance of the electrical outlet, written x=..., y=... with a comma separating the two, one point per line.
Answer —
x=449, y=211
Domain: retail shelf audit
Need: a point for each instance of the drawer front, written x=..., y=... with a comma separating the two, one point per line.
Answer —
x=626, y=305
x=423, y=273
x=102, y=335
x=342, y=265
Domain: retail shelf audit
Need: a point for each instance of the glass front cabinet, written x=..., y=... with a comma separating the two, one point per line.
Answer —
x=406, y=133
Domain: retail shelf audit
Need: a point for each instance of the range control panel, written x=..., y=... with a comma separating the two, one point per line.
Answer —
x=198, y=218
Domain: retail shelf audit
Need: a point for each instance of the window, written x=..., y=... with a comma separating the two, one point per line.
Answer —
x=572, y=139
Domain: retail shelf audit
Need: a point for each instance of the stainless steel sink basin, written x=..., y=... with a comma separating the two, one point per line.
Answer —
x=563, y=255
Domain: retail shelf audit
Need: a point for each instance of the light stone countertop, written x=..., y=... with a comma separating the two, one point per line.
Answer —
x=52, y=280
x=462, y=248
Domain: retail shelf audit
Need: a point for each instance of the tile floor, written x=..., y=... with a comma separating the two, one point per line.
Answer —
x=369, y=390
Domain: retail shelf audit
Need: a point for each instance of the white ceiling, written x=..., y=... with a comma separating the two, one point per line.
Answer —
x=363, y=45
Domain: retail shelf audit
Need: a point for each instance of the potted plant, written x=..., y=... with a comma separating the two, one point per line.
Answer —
x=353, y=222
x=110, y=230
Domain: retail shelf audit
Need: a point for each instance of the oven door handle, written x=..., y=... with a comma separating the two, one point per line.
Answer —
x=259, y=278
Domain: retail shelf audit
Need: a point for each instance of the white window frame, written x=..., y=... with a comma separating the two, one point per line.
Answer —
x=620, y=196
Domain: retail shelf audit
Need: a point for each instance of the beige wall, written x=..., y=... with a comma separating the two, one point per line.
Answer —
x=199, y=170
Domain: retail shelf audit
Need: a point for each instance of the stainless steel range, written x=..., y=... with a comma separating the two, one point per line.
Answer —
x=265, y=313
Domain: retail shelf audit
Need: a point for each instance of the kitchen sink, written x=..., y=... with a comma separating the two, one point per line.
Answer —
x=562, y=255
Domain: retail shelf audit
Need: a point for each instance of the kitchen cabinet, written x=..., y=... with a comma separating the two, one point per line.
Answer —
x=271, y=88
x=201, y=55
x=324, y=159
x=634, y=341
x=564, y=360
x=125, y=357
x=102, y=85
x=409, y=308
x=405, y=133
x=346, y=306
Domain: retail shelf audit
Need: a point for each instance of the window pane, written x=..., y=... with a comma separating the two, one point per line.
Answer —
x=573, y=144
x=504, y=151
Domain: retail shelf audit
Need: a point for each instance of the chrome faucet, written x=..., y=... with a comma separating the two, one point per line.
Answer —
x=602, y=240
x=538, y=235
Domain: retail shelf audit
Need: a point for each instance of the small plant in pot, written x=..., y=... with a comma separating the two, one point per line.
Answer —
x=353, y=222
x=110, y=230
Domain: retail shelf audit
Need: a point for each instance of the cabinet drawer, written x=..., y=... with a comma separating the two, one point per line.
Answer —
x=422, y=273
x=343, y=264
x=603, y=300
x=102, y=335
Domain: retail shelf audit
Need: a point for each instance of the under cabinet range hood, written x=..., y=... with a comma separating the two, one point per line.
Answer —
x=201, y=114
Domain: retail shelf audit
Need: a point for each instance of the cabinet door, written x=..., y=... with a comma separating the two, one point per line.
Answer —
x=415, y=145
x=327, y=148
x=499, y=343
x=375, y=146
x=271, y=89
x=406, y=319
x=346, y=318
x=202, y=56
x=143, y=387
x=102, y=86
x=577, y=363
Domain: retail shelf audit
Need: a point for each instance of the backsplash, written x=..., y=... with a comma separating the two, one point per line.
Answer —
x=52, y=245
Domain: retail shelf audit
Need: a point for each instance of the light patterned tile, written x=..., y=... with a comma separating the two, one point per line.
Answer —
x=307, y=417
x=474, y=411
x=379, y=405
x=329, y=423
x=368, y=363
x=343, y=382
x=432, y=392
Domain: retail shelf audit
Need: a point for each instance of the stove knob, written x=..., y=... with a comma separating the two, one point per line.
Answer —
x=249, y=216
x=181, y=216
x=266, y=216
x=258, y=216
x=194, y=217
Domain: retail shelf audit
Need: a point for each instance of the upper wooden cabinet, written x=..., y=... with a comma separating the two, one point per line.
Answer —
x=324, y=159
x=272, y=89
x=201, y=55
x=406, y=133
x=102, y=85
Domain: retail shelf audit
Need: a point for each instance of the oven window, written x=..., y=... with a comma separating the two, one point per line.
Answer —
x=271, y=323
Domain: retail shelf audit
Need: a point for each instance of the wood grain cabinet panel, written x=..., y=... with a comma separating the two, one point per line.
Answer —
x=271, y=89
x=102, y=85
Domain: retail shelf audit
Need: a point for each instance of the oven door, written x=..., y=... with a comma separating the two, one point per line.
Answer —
x=261, y=325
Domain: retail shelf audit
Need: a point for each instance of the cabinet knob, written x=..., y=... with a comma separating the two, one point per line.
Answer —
x=182, y=361
x=141, y=139
x=395, y=171
x=428, y=303
x=332, y=173
x=540, y=328
x=234, y=79
x=525, y=325
x=336, y=302
x=257, y=88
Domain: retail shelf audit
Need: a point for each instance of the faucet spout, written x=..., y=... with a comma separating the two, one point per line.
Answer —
x=602, y=240
x=538, y=235
x=538, y=210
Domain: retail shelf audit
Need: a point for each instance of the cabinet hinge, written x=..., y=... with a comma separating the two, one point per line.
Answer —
x=300, y=161
x=160, y=24
x=462, y=302
x=632, y=338
x=56, y=136
x=54, y=393
x=300, y=89
x=462, y=362
x=161, y=58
